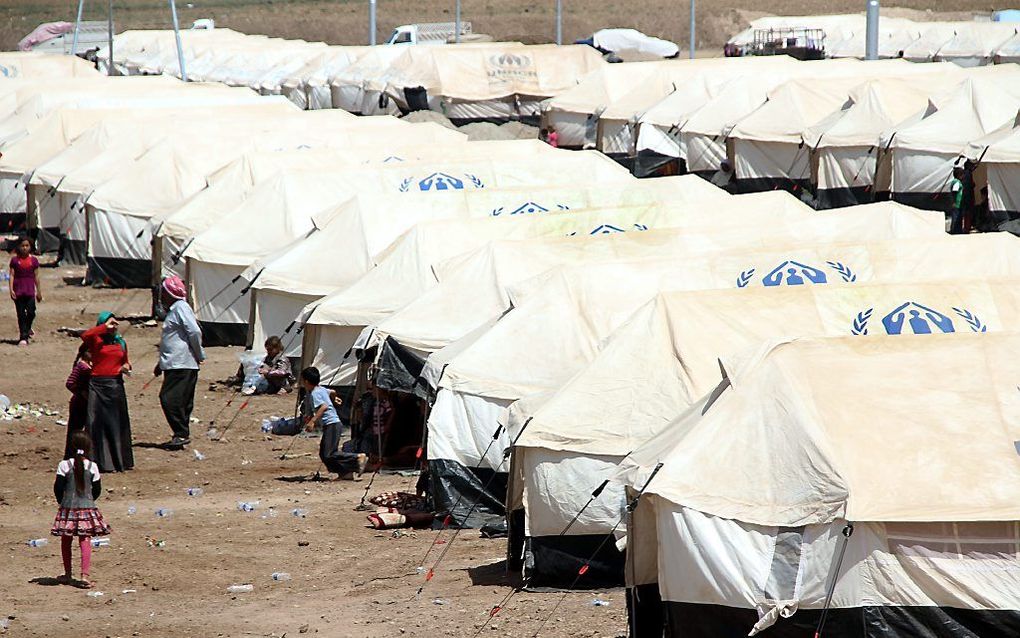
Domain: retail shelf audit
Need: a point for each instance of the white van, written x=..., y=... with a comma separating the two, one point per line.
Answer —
x=428, y=33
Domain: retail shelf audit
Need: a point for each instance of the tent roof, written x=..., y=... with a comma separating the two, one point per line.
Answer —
x=795, y=455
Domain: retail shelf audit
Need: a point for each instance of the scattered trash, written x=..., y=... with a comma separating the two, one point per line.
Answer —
x=5, y=402
x=198, y=455
x=438, y=601
x=62, y=422
x=151, y=323
x=164, y=512
x=101, y=542
x=5, y=623
x=37, y=542
x=281, y=576
x=10, y=411
x=94, y=594
x=246, y=461
x=401, y=533
x=240, y=589
x=194, y=491
x=247, y=506
x=212, y=433
x=267, y=424
x=298, y=512
x=303, y=543
x=270, y=513
x=154, y=542
x=129, y=591
x=420, y=570
x=132, y=510
x=598, y=602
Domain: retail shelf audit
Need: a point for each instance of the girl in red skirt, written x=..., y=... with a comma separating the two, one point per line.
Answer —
x=76, y=488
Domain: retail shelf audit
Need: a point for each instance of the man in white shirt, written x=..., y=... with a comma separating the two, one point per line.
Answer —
x=180, y=355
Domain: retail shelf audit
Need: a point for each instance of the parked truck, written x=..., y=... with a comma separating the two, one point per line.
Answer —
x=429, y=33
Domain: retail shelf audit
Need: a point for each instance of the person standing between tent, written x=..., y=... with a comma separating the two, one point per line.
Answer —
x=180, y=355
x=78, y=408
x=25, y=288
x=723, y=178
x=109, y=424
x=956, y=192
x=76, y=488
x=320, y=410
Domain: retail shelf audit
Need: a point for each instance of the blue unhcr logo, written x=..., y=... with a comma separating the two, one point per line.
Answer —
x=609, y=229
x=795, y=273
x=527, y=208
x=914, y=318
x=440, y=182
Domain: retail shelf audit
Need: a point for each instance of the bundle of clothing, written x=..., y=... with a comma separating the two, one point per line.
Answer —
x=400, y=509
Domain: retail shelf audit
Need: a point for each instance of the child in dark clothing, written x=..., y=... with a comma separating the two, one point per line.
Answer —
x=321, y=411
x=78, y=384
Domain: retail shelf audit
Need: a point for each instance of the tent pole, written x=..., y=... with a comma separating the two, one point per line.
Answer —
x=109, y=35
x=177, y=37
x=77, y=25
x=692, y=29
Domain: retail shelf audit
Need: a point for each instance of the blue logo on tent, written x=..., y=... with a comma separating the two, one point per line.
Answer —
x=441, y=182
x=913, y=318
x=526, y=208
x=393, y=158
x=795, y=273
x=609, y=229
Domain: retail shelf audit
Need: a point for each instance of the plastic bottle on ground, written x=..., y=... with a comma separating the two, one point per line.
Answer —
x=94, y=594
x=37, y=542
x=131, y=510
x=599, y=603
x=101, y=542
x=247, y=506
x=164, y=512
x=240, y=589
x=281, y=576
x=298, y=512
x=198, y=455
x=194, y=491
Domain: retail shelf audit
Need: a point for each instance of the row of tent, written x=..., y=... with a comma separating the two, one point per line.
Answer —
x=967, y=43
x=847, y=131
x=750, y=375
x=494, y=81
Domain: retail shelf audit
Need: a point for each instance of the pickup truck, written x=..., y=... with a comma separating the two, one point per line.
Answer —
x=428, y=33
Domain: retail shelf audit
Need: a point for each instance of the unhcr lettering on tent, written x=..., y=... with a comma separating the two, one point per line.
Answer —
x=795, y=273
x=528, y=208
x=913, y=318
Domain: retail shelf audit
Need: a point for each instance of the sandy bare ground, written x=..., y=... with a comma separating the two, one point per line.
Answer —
x=347, y=580
x=530, y=21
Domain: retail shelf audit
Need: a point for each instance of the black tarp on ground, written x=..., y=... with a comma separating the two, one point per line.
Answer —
x=473, y=496
x=119, y=273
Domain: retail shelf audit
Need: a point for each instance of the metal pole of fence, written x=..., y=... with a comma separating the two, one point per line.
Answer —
x=559, y=21
x=871, y=50
x=109, y=34
x=371, y=22
x=77, y=25
x=692, y=29
x=456, y=26
x=177, y=36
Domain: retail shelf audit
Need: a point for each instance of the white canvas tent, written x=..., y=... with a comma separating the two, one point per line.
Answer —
x=642, y=400
x=308, y=87
x=372, y=221
x=997, y=156
x=231, y=312
x=493, y=82
x=772, y=494
x=360, y=88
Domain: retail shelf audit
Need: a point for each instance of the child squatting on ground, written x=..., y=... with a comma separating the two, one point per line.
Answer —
x=319, y=407
x=76, y=487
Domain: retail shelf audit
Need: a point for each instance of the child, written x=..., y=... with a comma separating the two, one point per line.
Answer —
x=78, y=384
x=320, y=410
x=78, y=515
x=275, y=374
x=25, y=288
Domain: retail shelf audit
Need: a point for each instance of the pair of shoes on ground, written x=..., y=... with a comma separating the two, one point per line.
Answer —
x=356, y=476
x=177, y=443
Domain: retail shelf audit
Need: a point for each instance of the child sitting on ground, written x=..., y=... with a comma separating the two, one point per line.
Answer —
x=76, y=487
x=320, y=410
x=274, y=373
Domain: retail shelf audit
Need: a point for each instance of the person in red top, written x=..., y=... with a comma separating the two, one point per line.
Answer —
x=25, y=288
x=108, y=421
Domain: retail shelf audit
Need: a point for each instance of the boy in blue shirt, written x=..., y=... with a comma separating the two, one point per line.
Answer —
x=321, y=411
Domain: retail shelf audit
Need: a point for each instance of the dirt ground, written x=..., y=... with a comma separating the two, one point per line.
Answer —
x=346, y=579
x=530, y=21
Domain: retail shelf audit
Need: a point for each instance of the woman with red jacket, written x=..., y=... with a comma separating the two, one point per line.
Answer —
x=108, y=421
